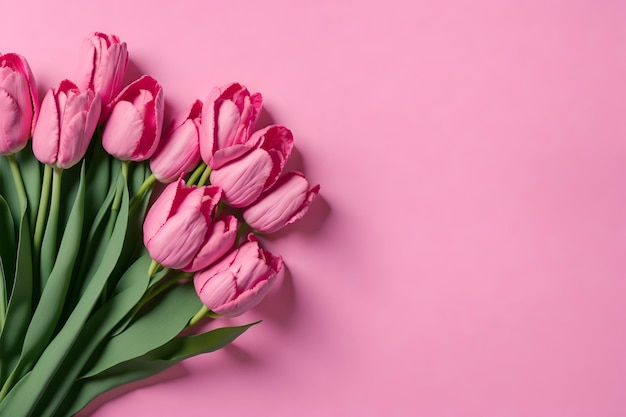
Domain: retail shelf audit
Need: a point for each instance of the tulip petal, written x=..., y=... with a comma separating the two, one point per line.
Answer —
x=72, y=146
x=123, y=131
x=47, y=130
x=221, y=238
x=283, y=204
x=9, y=123
x=178, y=152
x=246, y=299
x=243, y=180
x=228, y=118
x=216, y=290
x=178, y=240
x=168, y=202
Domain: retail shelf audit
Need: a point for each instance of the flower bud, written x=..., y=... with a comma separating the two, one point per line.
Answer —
x=239, y=281
x=65, y=125
x=179, y=231
x=19, y=103
x=104, y=60
x=287, y=201
x=244, y=179
x=133, y=128
x=179, y=148
x=228, y=116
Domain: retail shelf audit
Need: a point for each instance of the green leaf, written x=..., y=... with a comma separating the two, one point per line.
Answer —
x=162, y=322
x=8, y=250
x=25, y=396
x=49, y=309
x=8, y=191
x=96, y=244
x=128, y=292
x=20, y=304
x=147, y=365
x=31, y=174
x=98, y=179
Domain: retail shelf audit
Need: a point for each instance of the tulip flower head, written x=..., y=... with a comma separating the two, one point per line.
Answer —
x=227, y=118
x=287, y=201
x=133, y=129
x=19, y=103
x=179, y=148
x=244, y=179
x=103, y=64
x=65, y=125
x=239, y=281
x=180, y=231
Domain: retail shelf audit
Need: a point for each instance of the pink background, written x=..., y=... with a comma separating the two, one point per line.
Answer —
x=467, y=254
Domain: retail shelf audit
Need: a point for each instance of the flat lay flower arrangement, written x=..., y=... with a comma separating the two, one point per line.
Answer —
x=101, y=280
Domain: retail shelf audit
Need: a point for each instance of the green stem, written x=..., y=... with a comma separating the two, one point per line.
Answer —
x=145, y=186
x=47, y=260
x=205, y=176
x=154, y=266
x=19, y=182
x=196, y=174
x=42, y=213
x=162, y=286
x=125, y=166
x=204, y=310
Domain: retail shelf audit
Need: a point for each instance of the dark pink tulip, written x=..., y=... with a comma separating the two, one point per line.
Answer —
x=133, y=128
x=244, y=179
x=65, y=125
x=104, y=60
x=287, y=201
x=19, y=103
x=227, y=118
x=179, y=231
x=239, y=281
x=179, y=148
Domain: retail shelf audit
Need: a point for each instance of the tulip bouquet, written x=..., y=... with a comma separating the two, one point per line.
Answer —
x=102, y=283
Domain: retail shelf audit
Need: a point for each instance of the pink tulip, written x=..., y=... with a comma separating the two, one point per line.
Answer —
x=133, y=129
x=66, y=123
x=244, y=179
x=239, y=281
x=179, y=230
x=19, y=103
x=287, y=201
x=103, y=65
x=179, y=149
x=228, y=116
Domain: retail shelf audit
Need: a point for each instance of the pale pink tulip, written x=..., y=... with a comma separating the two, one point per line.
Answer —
x=179, y=231
x=19, y=103
x=287, y=201
x=179, y=148
x=133, y=128
x=65, y=125
x=244, y=179
x=228, y=117
x=104, y=60
x=239, y=281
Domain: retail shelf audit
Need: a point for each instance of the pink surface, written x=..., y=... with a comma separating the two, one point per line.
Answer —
x=467, y=254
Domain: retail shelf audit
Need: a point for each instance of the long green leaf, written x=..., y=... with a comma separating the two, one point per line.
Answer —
x=164, y=321
x=52, y=300
x=25, y=396
x=96, y=244
x=31, y=174
x=98, y=178
x=20, y=304
x=8, y=249
x=9, y=193
x=129, y=290
x=147, y=365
